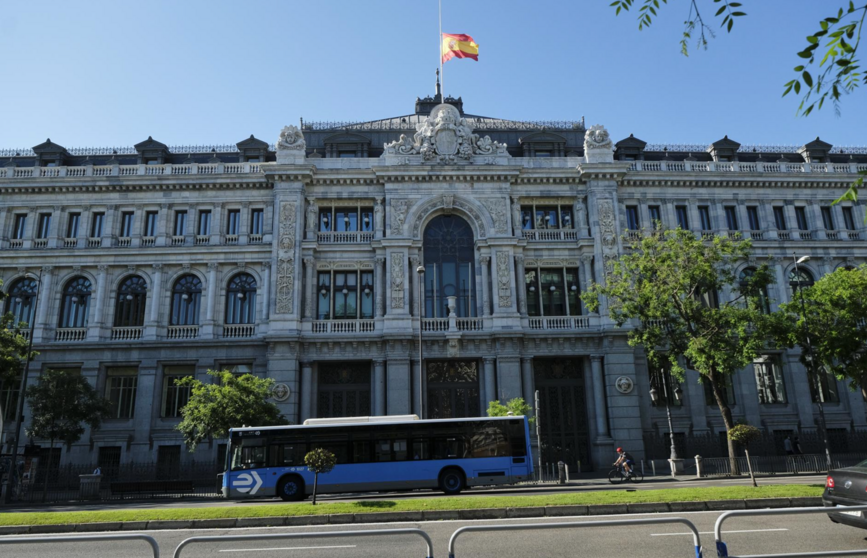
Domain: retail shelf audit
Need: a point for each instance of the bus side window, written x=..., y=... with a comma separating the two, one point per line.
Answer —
x=361, y=451
x=420, y=449
x=399, y=449
x=382, y=450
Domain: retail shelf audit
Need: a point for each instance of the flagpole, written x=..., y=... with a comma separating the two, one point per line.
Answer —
x=442, y=74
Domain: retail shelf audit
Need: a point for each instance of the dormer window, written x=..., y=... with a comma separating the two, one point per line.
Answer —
x=543, y=144
x=346, y=145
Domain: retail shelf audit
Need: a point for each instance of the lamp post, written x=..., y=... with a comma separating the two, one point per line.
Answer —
x=678, y=394
x=19, y=416
x=420, y=271
x=813, y=373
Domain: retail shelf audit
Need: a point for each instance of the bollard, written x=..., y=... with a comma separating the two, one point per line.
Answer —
x=567, y=473
x=561, y=472
x=653, y=466
x=642, y=467
x=698, y=466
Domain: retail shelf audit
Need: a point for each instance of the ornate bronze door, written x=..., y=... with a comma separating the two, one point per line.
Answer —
x=452, y=389
x=563, y=412
x=344, y=389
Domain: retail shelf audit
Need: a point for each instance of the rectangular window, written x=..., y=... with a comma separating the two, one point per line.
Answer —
x=632, y=221
x=44, y=225
x=655, y=215
x=9, y=399
x=665, y=385
x=204, y=227
x=150, y=228
x=233, y=222
x=323, y=298
x=728, y=392
x=769, y=381
x=546, y=217
x=168, y=462
x=346, y=219
x=120, y=389
x=126, y=221
x=367, y=219
x=565, y=217
x=175, y=397
x=108, y=460
x=552, y=292
x=704, y=215
x=346, y=301
x=180, y=227
x=20, y=226
x=345, y=295
x=257, y=221
x=753, y=216
x=849, y=218
x=827, y=219
x=682, y=217
x=72, y=225
x=96, y=225
x=780, y=218
x=827, y=387
x=732, y=217
x=801, y=214
x=366, y=306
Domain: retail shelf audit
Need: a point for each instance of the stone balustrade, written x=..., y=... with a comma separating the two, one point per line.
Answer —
x=559, y=322
x=182, y=332
x=69, y=334
x=343, y=326
x=126, y=333
x=239, y=331
x=130, y=170
x=738, y=167
x=351, y=237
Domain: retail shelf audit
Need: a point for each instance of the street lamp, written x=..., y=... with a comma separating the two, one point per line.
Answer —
x=19, y=416
x=420, y=295
x=678, y=394
x=814, y=376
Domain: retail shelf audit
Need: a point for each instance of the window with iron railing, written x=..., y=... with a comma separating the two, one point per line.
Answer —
x=345, y=295
x=552, y=291
x=346, y=219
x=541, y=217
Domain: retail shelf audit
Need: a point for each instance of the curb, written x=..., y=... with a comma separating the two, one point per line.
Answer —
x=415, y=516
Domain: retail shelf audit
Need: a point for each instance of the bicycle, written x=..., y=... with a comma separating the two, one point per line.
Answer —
x=618, y=475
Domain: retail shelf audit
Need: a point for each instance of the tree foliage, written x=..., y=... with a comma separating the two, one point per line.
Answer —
x=743, y=434
x=13, y=347
x=668, y=286
x=319, y=460
x=229, y=402
x=516, y=406
x=61, y=403
x=832, y=321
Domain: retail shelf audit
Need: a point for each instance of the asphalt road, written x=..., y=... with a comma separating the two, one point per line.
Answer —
x=651, y=483
x=750, y=535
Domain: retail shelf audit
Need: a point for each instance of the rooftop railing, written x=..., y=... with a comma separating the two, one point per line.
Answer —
x=129, y=170
x=756, y=167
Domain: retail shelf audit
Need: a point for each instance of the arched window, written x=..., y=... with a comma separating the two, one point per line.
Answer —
x=129, y=310
x=241, y=300
x=449, y=267
x=745, y=281
x=186, y=295
x=75, y=303
x=800, y=278
x=20, y=301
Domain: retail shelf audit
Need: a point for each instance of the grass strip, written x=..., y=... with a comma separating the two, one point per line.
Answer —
x=417, y=504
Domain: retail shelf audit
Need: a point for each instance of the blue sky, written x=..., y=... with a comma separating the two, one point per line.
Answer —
x=106, y=73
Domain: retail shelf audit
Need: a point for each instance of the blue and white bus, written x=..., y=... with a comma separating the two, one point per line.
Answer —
x=378, y=454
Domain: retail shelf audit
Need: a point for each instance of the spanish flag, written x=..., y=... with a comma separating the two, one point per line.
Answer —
x=459, y=46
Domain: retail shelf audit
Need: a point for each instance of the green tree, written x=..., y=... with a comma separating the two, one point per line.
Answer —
x=743, y=434
x=828, y=321
x=516, y=406
x=319, y=460
x=13, y=351
x=61, y=403
x=669, y=284
x=831, y=52
x=229, y=402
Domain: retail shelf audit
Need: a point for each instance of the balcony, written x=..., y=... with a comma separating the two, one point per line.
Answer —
x=148, y=241
x=434, y=325
x=353, y=237
x=231, y=239
x=124, y=242
x=126, y=333
x=40, y=243
x=129, y=170
x=70, y=334
x=550, y=234
x=343, y=326
x=202, y=239
x=560, y=323
x=255, y=239
x=181, y=332
x=70, y=242
x=94, y=242
x=16, y=243
x=239, y=331
x=178, y=240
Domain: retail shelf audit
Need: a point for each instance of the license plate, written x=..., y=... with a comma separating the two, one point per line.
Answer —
x=852, y=513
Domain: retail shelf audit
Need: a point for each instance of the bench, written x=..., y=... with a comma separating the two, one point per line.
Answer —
x=152, y=487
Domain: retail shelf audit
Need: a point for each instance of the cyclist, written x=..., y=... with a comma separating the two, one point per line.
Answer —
x=626, y=460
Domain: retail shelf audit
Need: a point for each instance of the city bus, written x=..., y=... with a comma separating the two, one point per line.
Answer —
x=378, y=454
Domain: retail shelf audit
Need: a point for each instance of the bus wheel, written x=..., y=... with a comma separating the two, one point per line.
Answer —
x=291, y=489
x=452, y=481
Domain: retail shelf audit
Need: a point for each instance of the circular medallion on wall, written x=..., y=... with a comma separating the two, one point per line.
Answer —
x=624, y=384
x=281, y=392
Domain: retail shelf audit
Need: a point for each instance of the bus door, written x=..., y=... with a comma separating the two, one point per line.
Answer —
x=521, y=461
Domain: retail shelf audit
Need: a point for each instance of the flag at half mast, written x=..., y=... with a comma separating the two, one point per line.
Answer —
x=459, y=46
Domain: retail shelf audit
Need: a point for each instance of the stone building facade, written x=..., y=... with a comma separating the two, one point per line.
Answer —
x=298, y=262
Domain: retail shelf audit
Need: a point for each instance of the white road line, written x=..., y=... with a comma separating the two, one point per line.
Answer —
x=287, y=548
x=711, y=532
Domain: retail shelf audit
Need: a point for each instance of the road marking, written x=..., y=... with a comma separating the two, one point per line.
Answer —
x=287, y=548
x=711, y=532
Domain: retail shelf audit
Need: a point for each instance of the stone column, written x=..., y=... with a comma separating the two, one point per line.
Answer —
x=4, y=233
x=97, y=319
x=306, y=390
x=379, y=386
x=379, y=285
x=165, y=223
x=156, y=292
x=599, y=396
x=768, y=224
x=309, y=303
x=266, y=291
x=244, y=224
x=398, y=386
x=527, y=379
x=47, y=293
x=54, y=226
x=490, y=385
x=415, y=298
x=520, y=285
x=587, y=276
x=792, y=220
x=216, y=223
x=109, y=227
x=211, y=302
x=138, y=219
x=81, y=236
x=486, y=286
x=782, y=281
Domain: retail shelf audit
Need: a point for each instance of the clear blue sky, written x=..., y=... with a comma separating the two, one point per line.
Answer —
x=106, y=73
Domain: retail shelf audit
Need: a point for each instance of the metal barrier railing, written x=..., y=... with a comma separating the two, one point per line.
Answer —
x=86, y=538
x=722, y=548
x=323, y=535
x=696, y=538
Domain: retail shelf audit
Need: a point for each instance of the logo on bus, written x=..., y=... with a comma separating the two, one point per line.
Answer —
x=248, y=483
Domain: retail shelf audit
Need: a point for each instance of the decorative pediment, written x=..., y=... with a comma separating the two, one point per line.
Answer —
x=630, y=148
x=151, y=144
x=252, y=143
x=49, y=146
x=816, y=151
x=724, y=150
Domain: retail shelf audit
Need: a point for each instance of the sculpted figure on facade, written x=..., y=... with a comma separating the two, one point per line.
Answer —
x=312, y=214
x=291, y=138
x=598, y=147
x=516, y=216
x=399, y=209
x=606, y=224
x=445, y=137
x=378, y=214
x=580, y=215
x=396, y=281
x=287, y=226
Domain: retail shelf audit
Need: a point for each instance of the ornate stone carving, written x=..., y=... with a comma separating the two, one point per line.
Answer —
x=397, y=280
x=445, y=137
x=497, y=208
x=285, y=284
x=436, y=202
x=157, y=267
x=516, y=215
x=504, y=279
x=185, y=267
x=448, y=203
x=312, y=214
x=378, y=215
x=399, y=209
x=102, y=268
x=287, y=226
x=453, y=349
x=606, y=224
x=213, y=266
x=597, y=145
x=291, y=138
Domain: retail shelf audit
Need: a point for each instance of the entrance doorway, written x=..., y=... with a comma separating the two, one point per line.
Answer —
x=452, y=389
x=344, y=389
x=563, y=412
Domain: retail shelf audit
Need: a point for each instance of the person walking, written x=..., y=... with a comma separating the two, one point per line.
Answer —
x=787, y=445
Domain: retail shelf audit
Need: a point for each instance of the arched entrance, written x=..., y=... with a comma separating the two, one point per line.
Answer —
x=449, y=261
